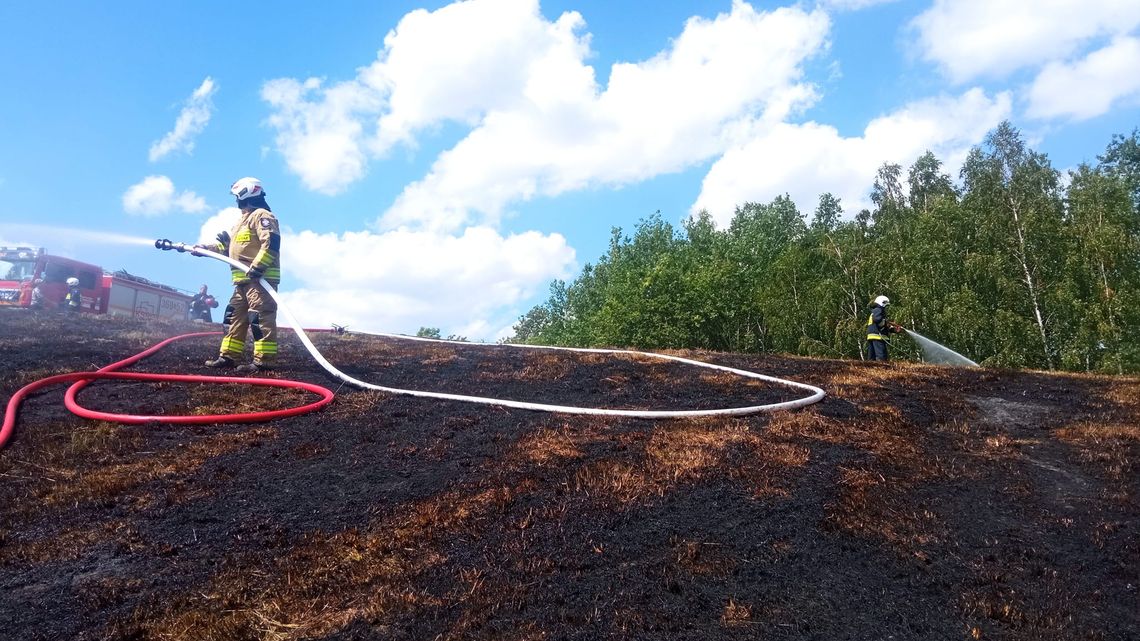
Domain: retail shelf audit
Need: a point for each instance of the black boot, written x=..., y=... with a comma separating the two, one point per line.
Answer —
x=221, y=362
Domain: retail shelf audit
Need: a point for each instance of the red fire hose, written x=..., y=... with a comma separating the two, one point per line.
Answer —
x=82, y=379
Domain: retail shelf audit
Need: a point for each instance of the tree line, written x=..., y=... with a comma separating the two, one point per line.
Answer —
x=1013, y=265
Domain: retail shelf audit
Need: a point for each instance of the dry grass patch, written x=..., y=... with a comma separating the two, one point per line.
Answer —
x=351, y=403
x=113, y=480
x=618, y=483
x=736, y=613
x=1099, y=434
x=691, y=452
x=872, y=506
x=719, y=378
x=546, y=365
x=328, y=580
x=1110, y=447
x=548, y=447
x=430, y=354
x=702, y=558
x=71, y=543
x=1125, y=392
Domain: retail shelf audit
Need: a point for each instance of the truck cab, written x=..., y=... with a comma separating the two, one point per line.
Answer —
x=20, y=267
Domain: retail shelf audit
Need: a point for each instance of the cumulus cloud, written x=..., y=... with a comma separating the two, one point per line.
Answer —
x=322, y=140
x=155, y=196
x=806, y=160
x=540, y=122
x=191, y=121
x=470, y=284
x=852, y=5
x=992, y=38
x=1088, y=87
x=224, y=220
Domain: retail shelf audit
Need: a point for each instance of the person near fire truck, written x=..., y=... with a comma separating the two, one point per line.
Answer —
x=254, y=241
x=37, y=301
x=201, y=304
x=74, y=297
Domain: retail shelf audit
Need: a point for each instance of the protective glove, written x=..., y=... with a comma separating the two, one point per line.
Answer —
x=224, y=238
x=255, y=273
x=194, y=253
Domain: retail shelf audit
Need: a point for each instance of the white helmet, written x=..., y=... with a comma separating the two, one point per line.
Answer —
x=882, y=301
x=246, y=188
x=73, y=281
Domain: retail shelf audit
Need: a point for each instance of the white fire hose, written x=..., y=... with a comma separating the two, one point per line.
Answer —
x=816, y=394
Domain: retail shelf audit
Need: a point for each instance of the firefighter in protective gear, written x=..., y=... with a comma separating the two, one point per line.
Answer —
x=878, y=328
x=74, y=297
x=255, y=241
x=201, y=304
x=37, y=295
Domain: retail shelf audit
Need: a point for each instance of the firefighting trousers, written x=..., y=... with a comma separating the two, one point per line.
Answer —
x=254, y=312
x=877, y=350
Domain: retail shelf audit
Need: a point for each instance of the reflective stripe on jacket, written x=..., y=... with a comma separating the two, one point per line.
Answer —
x=877, y=323
x=256, y=241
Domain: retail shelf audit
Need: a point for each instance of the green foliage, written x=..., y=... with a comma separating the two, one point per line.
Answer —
x=1009, y=268
x=428, y=332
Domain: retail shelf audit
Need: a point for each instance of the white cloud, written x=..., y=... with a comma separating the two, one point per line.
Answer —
x=224, y=220
x=191, y=121
x=992, y=38
x=1089, y=87
x=469, y=284
x=810, y=159
x=541, y=124
x=155, y=196
x=852, y=5
x=659, y=116
x=322, y=140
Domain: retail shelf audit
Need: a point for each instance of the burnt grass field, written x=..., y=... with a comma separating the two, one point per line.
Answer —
x=914, y=502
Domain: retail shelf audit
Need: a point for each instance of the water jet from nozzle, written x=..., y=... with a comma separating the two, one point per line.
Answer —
x=939, y=354
x=45, y=235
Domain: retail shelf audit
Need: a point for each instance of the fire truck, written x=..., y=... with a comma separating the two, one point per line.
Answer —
x=117, y=293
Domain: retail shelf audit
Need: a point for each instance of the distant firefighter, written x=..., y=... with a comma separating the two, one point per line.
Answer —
x=74, y=298
x=37, y=301
x=878, y=328
x=201, y=304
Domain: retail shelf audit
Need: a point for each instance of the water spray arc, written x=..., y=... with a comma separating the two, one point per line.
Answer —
x=935, y=352
x=815, y=394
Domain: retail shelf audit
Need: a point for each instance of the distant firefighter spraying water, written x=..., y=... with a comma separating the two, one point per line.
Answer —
x=255, y=241
x=878, y=328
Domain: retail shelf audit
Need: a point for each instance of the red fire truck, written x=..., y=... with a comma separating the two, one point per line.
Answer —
x=117, y=293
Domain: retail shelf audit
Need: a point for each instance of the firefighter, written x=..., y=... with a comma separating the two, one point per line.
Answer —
x=201, y=304
x=878, y=328
x=74, y=297
x=255, y=241
x=37, y=301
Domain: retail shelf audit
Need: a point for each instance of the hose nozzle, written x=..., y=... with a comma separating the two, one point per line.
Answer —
x=166, y=244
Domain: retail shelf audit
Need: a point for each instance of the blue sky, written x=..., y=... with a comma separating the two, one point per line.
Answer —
x=438, y=164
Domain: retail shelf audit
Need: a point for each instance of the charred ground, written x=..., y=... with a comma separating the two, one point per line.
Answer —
x=914, y=502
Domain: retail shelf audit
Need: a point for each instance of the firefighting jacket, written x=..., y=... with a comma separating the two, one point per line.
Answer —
x=74, y=298
x=256, y=241
x=877, y=324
